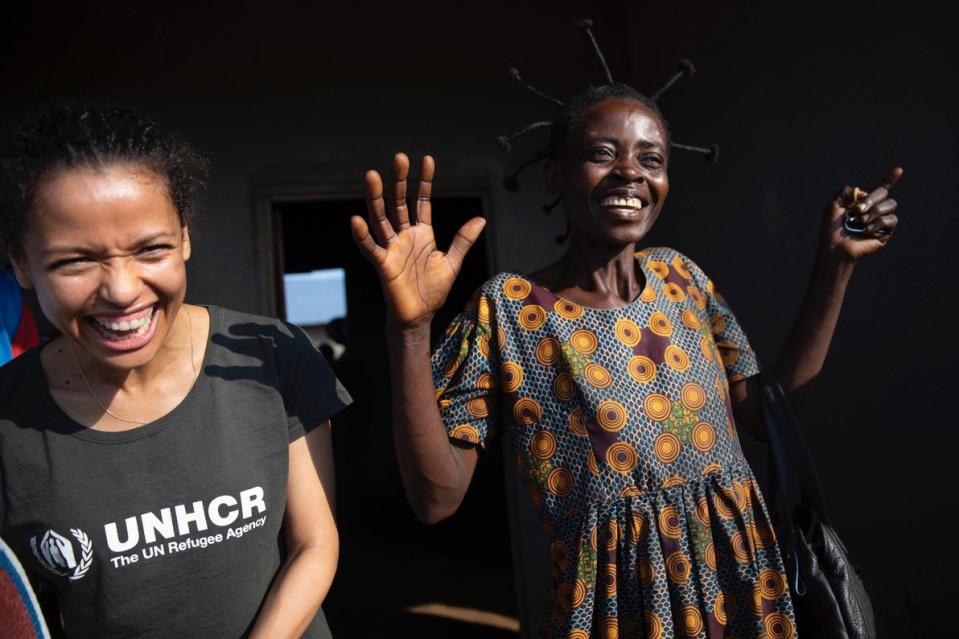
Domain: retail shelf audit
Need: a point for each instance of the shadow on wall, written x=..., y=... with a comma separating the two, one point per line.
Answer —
x=802, y=99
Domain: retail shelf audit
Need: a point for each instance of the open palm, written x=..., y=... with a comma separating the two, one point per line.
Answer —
x=415, y=275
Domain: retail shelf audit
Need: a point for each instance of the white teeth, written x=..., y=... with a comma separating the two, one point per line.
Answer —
x=109, y=329
x=623, y=202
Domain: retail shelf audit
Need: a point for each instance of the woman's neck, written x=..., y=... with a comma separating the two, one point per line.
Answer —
x=170, y=358
x=105, y=398
x=595, y=274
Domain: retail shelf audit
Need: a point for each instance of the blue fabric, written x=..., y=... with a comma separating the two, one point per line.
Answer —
x=11, y=303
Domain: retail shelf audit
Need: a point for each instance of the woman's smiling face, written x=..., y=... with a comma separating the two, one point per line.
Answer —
x=612, y=175
x=106, y=253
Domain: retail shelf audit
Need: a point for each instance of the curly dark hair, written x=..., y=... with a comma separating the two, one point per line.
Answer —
x=575, y=108
x=80, y=135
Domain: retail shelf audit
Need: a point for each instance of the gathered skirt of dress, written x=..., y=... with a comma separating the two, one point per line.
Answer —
x=622, y=427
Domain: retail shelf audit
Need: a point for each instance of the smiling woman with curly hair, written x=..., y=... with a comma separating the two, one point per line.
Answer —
x=166, y=467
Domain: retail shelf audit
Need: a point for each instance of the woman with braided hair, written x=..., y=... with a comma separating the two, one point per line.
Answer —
x=621, y=375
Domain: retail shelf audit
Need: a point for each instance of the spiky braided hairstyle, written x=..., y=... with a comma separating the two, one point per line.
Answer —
x=573, y=110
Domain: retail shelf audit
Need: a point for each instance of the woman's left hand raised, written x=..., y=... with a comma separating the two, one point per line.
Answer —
x=877, y=212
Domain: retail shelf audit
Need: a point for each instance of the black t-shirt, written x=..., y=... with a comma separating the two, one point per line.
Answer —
x=171, y=529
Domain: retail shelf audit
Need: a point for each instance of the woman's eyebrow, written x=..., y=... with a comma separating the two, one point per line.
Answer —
x=76, y=248
x=613, y=141
x=644, y=143
x=153, y=237
x=650, y=144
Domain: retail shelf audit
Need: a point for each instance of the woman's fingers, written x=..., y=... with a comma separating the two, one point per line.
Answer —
x=883, y=208
x=883, y=227
x=376, y=208
x=424, y=209
x=463, y=240
x=398, y=174
x=881, y=192
x=368, y=247
x=894, y=174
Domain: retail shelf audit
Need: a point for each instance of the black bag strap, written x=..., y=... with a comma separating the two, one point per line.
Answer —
x=781, y=504
x=790, y=454
x=778, y=474
x=791, y=472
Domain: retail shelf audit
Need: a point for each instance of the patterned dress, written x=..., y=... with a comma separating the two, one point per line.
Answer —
x=623, y=430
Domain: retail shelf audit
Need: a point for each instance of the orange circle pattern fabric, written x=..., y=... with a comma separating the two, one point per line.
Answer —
x=623, y=430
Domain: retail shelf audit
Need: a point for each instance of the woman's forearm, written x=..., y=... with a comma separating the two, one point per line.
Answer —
x=309, y=529
x=435, y=473
x=298, y=591
x=804, y=351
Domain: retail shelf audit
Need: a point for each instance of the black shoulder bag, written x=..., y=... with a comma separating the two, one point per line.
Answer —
x=828, y=596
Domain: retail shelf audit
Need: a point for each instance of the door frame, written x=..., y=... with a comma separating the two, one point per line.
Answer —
x=267, y=192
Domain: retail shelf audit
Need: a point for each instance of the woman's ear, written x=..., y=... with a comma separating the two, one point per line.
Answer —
x=21, y=273
x=186, y=247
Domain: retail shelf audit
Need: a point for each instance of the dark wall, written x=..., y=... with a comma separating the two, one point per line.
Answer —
x=300, y=91
x=803, y=99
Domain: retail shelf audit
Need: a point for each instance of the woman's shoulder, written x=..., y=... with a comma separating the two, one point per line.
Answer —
x=495, y=286
x=19, y=373
x=510, y=289
x=665, y=261
x=237, y=335
x=664, y=254
x=496, y=291
x=240, y=324
x=22, y=387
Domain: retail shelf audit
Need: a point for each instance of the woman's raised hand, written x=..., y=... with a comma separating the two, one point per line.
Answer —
x=877, y=214
x=415, y=275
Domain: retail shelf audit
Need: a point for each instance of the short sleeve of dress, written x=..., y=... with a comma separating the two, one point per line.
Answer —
x=738, y=356
x=465, y=373
x=311, y=392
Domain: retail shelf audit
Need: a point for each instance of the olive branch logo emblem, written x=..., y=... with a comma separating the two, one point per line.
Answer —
x=56, y=553
x=86, y=553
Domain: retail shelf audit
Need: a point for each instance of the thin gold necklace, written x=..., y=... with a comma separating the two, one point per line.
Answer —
x=94, y=396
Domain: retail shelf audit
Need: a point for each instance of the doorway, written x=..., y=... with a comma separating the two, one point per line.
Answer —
x=396, y=577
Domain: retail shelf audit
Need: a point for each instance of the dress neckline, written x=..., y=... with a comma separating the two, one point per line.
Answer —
x=640, y=261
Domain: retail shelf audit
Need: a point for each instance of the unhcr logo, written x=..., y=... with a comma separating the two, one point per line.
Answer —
x=58, y=555
x=184, y=519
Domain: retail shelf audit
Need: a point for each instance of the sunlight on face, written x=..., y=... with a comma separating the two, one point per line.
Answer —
x=613, y=176
x=106, y=253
